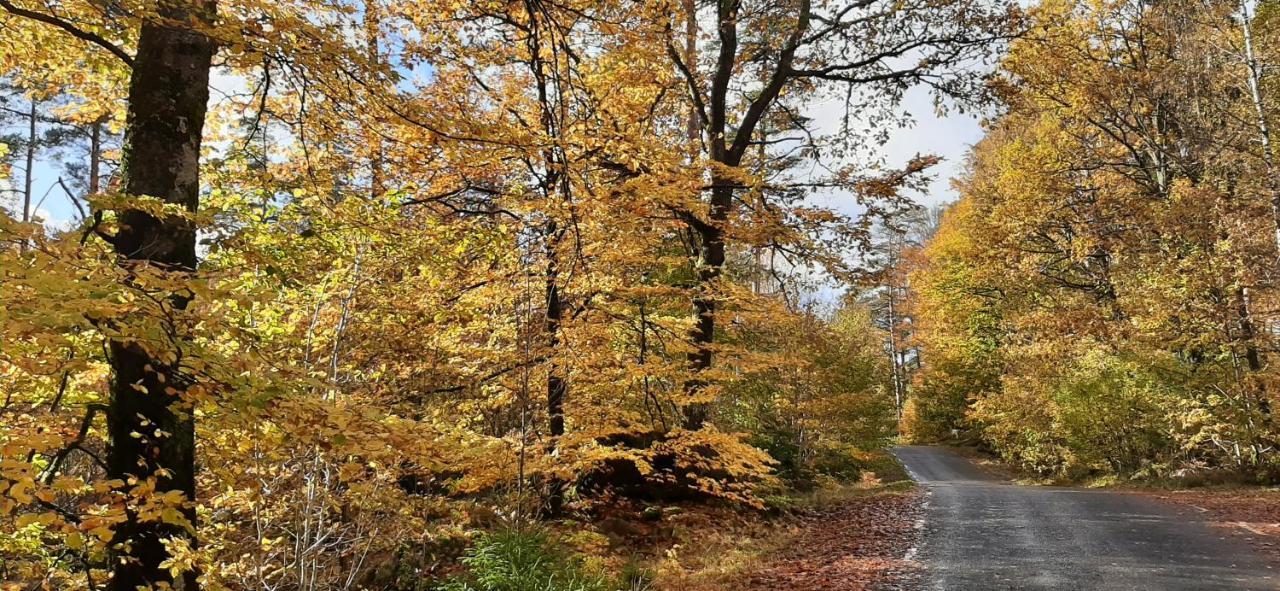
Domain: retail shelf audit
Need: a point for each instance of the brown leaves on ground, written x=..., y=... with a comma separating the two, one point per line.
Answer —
x=1253, y=513
x=855, y=544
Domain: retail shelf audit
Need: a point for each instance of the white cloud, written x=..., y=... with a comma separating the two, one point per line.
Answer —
x=51, y=222
x=949, y=136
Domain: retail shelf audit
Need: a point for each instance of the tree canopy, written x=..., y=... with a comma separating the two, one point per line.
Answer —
x=346, y=275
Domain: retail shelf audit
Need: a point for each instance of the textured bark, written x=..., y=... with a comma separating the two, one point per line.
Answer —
x=168, y=93
x=555, y=187
x=693, y=127
x=372, y=25
x=1252, y=357
x=1253, y=70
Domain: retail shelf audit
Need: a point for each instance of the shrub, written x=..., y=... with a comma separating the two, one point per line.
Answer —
x=524, y=560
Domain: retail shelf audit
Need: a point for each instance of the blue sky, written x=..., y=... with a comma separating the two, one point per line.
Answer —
x=48, y=200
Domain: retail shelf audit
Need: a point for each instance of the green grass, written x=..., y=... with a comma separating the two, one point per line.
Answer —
x=525, y=559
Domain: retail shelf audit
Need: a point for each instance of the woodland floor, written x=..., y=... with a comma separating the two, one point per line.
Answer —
x=864, y=536
x=854, y=545
x=846, y=540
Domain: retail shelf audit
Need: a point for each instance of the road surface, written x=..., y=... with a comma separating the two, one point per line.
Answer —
x=984, y=534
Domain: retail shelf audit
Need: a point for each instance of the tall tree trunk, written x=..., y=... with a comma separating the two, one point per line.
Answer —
x=1253, y=78
x=372, y=26
x=557, y=386
x=896, y=353
x=700, y=357
x=556, y=187
x=29, y=177
x=168, y=94
x=711, y=257
x=693, y=128
x=894, y=359
x=95, y=156
x=1252, y=357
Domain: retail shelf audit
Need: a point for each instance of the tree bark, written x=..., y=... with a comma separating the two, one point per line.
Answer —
x=151, y=431
x=693, y=128
x=556, y=187
x=29, y=178
x=899, y=393
x=1252, y=358
x=726, y=150
x=372, y=26
x=557, y=386
x=711, y=257
x=95, y=156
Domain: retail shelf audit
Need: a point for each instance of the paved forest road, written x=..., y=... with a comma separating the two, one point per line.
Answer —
x=983, y=534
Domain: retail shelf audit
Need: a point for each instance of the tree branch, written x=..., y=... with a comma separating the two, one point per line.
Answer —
x=69, y=28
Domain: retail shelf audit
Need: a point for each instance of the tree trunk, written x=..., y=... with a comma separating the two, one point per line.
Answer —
x=894, y=359
x=1252, y=358
x=1253, y=79
x=693, y=129
x=29, y=177
x=711, y=258
x=95, y=156
x=555, y=186
x=168, y=94
x=372, y=26
x=557, y=387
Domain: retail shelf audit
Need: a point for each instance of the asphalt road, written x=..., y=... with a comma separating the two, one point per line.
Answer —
x=984, y=534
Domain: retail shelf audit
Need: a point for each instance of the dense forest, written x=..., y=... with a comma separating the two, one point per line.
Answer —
x=355, y=294
x=1102, y=299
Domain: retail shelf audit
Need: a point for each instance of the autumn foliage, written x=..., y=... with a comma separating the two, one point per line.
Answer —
x=1101, y=299
x=355, y=285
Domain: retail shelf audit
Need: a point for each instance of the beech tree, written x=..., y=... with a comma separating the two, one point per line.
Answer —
x=150, y=427
x=760, y=61
x=373, y=279
x=1126, y=188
